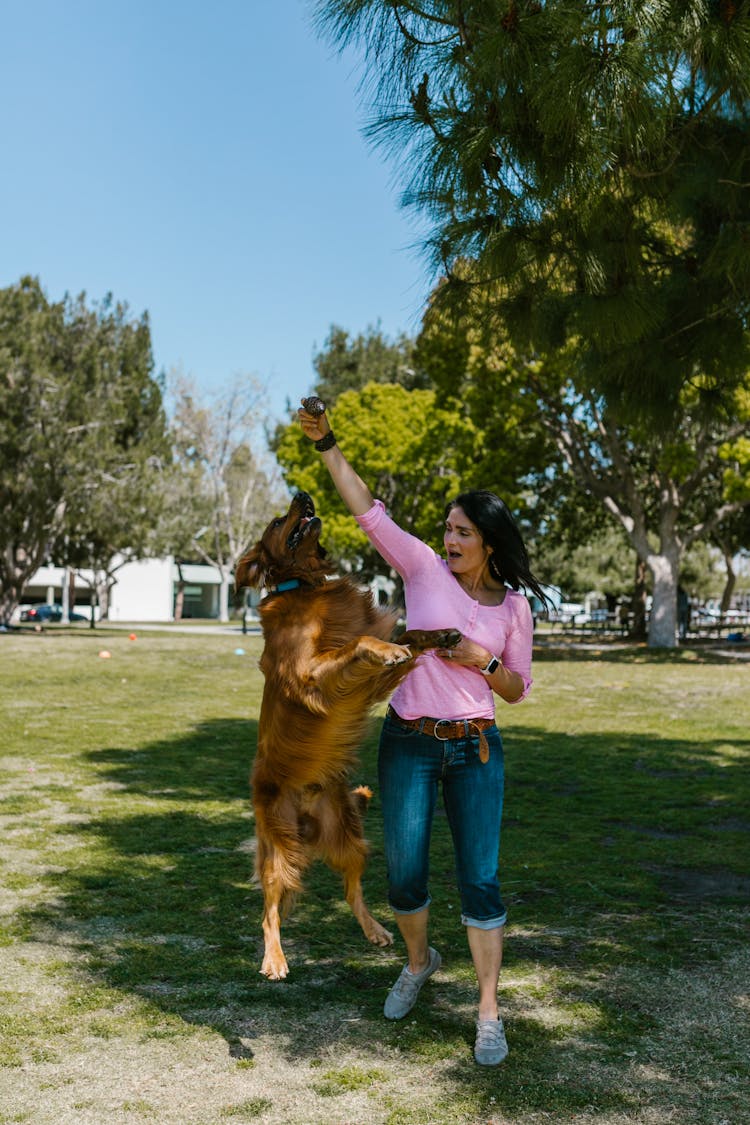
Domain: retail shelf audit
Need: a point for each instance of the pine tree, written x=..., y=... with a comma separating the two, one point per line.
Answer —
x=593, y=156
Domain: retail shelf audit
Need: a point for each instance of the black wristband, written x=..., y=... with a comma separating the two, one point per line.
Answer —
x=326, y=442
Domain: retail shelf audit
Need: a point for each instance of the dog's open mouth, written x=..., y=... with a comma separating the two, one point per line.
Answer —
x=307, y=523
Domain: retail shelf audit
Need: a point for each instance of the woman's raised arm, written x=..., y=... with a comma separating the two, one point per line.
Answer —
x=349, y=485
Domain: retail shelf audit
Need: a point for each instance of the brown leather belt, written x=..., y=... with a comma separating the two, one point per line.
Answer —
x=446, y=729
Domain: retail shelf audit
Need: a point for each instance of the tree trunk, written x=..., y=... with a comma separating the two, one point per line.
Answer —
x=16, y=567
x=8, y=602
x=638, y=630
x=224, y=598
x=662, y=625
x=179, y=600
x=726, y=596
x=103, y=589
x=65, y=598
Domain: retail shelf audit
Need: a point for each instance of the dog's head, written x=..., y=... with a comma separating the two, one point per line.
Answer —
x=288, y=548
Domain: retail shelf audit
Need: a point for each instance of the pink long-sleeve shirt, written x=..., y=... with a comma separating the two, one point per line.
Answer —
x=435, y=600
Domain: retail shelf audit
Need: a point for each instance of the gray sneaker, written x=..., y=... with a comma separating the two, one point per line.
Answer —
x=490, y=1047
x=403, y=996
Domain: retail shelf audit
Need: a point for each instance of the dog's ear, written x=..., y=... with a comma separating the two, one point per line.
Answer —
x=249, y=570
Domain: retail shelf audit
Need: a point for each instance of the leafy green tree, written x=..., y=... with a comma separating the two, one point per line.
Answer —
x=114, y=519
x=476, y=374
x=664, y=490
x=703, y=571
x=229, y=482
x=81, y=430
x=410, y=452
x=667, y=490
x=595, y=156
x=603, y=564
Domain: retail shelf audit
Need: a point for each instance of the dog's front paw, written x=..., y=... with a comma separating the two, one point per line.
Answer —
x=449, y=638
x=422, y=639
x=398, y=654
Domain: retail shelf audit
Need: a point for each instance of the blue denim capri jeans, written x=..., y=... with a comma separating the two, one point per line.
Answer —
x=411, y=766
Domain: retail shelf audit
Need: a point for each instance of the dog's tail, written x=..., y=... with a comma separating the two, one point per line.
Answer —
x=362, y=796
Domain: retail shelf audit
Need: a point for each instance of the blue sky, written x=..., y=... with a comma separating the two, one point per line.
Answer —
x=204, y=162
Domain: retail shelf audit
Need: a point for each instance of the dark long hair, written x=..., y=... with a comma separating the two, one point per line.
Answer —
x=509, y=561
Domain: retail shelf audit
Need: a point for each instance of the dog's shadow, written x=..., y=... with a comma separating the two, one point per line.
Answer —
x=163, y=905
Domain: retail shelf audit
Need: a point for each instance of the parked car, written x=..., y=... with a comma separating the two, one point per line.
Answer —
x=38, y=614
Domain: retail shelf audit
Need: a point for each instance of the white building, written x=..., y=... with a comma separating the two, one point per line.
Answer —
x=145, y=590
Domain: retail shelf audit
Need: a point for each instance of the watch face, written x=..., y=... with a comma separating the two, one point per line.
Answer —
x=491, y=666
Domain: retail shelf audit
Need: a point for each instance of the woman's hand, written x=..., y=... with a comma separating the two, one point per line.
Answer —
x=468, y=654
x=315, y=426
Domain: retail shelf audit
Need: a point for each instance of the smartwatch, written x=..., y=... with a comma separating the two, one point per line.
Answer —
x=490, y=666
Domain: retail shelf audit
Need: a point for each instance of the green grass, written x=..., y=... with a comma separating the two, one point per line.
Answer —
x=130, y=928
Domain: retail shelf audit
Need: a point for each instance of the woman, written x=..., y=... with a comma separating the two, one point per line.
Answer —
x=440, y=726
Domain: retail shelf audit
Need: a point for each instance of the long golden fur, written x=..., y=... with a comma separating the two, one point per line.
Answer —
x=327, y=659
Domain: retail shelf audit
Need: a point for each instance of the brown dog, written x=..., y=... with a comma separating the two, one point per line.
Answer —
x=326, y=660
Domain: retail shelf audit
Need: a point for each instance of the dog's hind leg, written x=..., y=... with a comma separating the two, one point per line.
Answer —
x=274, y=965
x=345, y=850
x=371, y=928
x=280, y=883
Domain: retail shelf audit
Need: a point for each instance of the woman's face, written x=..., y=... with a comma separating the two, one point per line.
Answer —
x=465, y=551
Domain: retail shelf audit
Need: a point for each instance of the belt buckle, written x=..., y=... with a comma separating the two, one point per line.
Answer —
x=440, y=737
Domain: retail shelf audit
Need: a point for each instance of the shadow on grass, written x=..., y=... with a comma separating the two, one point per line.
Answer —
x=604, y=840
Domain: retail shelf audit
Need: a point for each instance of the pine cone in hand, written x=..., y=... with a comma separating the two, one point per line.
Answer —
x=314, y=405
